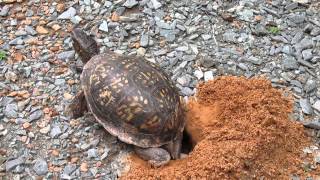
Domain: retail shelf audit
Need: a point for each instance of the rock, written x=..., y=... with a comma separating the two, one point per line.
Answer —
x=289, y=63
x=287, y=50
x=41, y=30
x=76, y=19
x=141, y=51
x=45, y=130
x=92, y=153
x=184, y=80
x=69, y=169
x=35, y=115
x=307, y=54
x=310, y=85
x=84, y=167
x=312, y=124
x=198, y=74
x=104, y=26
x=55, y=132
x=306, y=106
x=56, y=27
x=207, y=62
x=66, y=55
x=71, y=12
x=316, y=105
x=4, y=11
x=16, y=41
x=59, y=82
x=40, y=167
x=10, y=111
x=156, y=4
x=10, y=165
x=206, y=36
x=230, y=36
x=208, y=75
x=30, y=30
x=144, y=40
x=255, y=60
x=130, y=3
x=305, y=43
x=246, y=14
x=187, y=91
x=301, y=1
x=297, y=18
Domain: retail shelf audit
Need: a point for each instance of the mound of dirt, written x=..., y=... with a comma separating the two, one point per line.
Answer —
x=240, y=129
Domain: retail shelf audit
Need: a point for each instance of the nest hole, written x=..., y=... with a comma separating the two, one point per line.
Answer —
x=187, y=143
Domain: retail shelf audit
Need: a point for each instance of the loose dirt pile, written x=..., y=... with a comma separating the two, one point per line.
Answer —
x=241, y=129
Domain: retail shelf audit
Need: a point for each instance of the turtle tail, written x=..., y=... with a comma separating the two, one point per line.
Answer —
x=84, y=45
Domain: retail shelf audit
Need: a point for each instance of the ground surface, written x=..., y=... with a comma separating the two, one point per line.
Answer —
x=193, y=40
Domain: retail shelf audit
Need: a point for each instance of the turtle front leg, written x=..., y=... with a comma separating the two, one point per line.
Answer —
x=155, y=156
x=78, y=106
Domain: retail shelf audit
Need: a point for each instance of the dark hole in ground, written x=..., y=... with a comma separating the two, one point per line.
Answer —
x=187, y=144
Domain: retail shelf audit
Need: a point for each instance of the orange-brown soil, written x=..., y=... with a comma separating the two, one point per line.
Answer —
x=241, y=130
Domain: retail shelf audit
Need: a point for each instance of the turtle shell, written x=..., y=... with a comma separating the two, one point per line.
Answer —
x=132, y=99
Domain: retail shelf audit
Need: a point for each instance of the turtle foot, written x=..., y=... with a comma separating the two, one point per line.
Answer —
x=157, y=157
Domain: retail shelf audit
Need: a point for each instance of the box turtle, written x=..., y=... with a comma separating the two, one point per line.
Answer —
x=133, y=99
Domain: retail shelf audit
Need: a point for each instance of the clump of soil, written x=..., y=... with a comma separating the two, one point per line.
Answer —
x=240, y=129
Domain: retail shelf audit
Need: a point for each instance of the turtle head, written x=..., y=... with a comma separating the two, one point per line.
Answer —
x=84, y=45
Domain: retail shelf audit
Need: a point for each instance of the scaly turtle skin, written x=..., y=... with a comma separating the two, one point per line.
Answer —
x=132, y=99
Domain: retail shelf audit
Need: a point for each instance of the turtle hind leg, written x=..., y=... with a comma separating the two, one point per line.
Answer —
x=157, y=157
x=78, y=106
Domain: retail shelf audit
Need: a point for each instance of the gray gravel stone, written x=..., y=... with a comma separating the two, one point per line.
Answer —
x=35, y=115
x=312, y=124
x=66, y=55
x=59, y=82
x=40, y=167
x=289, y=63
x=255, y=60
x=4, y=11
x=92, y=153
x=55, y=131
x=11, y=110
x=310, y=85
x=198, y=74
x=307, y=54
x=144, y=40
x=305, y=43
x=10, y=165
x=104, y=26
x=208, y=75
x=16, y=41
x=155, y=4
x=30, y=30
x=130, y=3
x=306, y=106
x=316, y=105
x=68, y=14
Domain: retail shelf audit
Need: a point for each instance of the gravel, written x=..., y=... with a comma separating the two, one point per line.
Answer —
x=194, y=41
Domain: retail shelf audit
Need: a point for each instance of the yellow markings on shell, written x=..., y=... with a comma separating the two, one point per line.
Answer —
x=103, y=75
x=129, y=117
x=105, y=94
x=154, y=120
x=145, y=101
x=137, y=109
